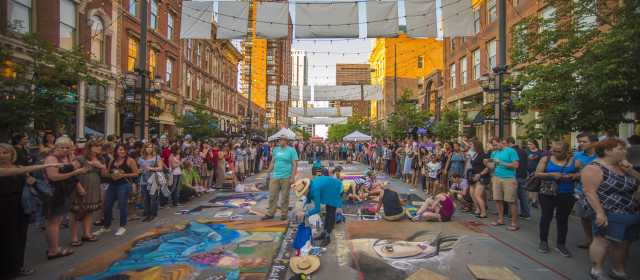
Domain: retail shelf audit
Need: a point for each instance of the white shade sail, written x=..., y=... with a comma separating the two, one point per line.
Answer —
x=382, y=19
x=325, y=121
x=357, y=136
x=285, y=132
x=321, y=112
x=421, y=18
x=195, y=22
x=272, y=19
x=327, y=20
x=232, y=20
x=327, y=93
x=457, y=18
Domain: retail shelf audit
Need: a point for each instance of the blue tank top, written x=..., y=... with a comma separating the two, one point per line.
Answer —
x=564, y=185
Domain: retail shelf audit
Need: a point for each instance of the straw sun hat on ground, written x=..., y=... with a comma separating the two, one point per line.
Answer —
x=304, y=265
x=301, y=187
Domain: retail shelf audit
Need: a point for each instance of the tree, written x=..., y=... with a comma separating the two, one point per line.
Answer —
x=199, y=124
x=406, y=117
x=578, y=76
x=338, y=131
x=37, y=91
x=448, y=127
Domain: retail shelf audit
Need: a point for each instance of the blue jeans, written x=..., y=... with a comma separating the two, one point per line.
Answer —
x=523, y=198
x=175, y=190
x=150, y=202
x=399, y=166
x=116, y=192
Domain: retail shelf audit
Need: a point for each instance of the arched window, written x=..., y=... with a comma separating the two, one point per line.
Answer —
x=97, y=39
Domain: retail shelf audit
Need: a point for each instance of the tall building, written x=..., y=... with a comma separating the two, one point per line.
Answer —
x=399, y=65
x=354, y=74
x=265, y=63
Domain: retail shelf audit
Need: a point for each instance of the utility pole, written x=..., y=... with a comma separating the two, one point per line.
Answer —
x=142, y=67
x=502, y=62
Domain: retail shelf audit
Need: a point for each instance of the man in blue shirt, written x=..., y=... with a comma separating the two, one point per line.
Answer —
x=283, y=170
x=584, y=157
x=504, y=162
x=325, y=190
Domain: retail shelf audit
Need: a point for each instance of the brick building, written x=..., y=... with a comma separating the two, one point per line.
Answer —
x=354, y=74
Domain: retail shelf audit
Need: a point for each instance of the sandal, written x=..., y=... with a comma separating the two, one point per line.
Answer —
x=76, y=243
x=496, y=224
x=481, y=217
x=91, y=238
x=62, y=252
x=513, y=228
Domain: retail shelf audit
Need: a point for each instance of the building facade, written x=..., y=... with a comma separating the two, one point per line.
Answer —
x=399, y=65
x=354, y=74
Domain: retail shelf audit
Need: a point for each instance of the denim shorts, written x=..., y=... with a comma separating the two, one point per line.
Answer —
x=621, y=227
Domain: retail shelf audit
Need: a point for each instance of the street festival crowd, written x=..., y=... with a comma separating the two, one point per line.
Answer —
x=58, y=183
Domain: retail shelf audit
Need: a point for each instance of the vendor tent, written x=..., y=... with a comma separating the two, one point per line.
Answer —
x=285, y=132
x=357, y=136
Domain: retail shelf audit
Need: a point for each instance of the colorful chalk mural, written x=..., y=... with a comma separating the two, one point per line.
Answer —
x=235, y=250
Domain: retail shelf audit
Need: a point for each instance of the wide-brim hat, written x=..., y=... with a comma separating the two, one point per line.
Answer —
x=301, y=187
x=304, y=265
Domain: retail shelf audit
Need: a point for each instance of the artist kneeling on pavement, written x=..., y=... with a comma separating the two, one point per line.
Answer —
x=325, y=190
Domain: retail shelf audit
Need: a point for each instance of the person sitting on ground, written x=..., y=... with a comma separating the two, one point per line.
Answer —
x=459, y=190
x=337, y=172
x=392, y=209
x=322, y=190
x=439, y=208
x=190, y=182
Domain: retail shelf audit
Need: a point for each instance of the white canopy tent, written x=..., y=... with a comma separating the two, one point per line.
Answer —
x=285, y=132
x=357, y=136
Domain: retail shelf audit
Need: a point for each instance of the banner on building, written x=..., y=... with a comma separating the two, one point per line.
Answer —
x=326, y=93
x=272, y=20
x=321, y=112
x=325, y=121
x=327, y=20
x=457, y=18
x=232, y=20
x=195, y=22
x=382, y=19
x=421, y=18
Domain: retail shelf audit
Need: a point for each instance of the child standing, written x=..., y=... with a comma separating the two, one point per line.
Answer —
x=434, y=168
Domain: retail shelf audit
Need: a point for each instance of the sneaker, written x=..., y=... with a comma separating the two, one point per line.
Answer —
x=267, y=217
x=597, y=275
x=543, y=247
x=563, y=251
x=617, y=275
x=121, y=231
x=101, y=231
x=525, y=217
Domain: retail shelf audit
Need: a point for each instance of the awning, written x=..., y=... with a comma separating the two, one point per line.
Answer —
x=166, y=118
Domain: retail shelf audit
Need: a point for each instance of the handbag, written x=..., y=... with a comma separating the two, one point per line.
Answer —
x=550, y=186
x=533, y=183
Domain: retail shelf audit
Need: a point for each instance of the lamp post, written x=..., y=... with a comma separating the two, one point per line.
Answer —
x=134, y=83
x=493, y=83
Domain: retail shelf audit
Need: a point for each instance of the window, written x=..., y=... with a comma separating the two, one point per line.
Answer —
x=154, y=15
x=97, y=39
x=515, y=3
x=453, y=44
x=153, y=64
x=196, y=96
x=491, y=54
x=189, y=49
x=520, y=42
x=491, y=11
x=67, y=24
x=476, y=64
x=463, y=70
x=188, y=86
x=587, y=12
x=420, y=61
x=476, y=20
x=19, y=18
x=197, y=62
x=170, y=26
x=452, y=76
x=548, y=16
x=169, y=72
x=133, y=8
x=132, y=55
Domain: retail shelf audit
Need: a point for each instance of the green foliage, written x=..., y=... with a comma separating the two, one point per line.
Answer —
x=200, y=124
x=37, y=91
x=338, y=131
x=305, y=135
x=447, y=128
x=580, y=78
x=406, y=116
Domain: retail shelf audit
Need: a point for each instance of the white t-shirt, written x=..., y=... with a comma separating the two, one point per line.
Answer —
x=433, y=168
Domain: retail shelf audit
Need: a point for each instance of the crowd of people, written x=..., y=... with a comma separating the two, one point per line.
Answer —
x=62, y=183
x=58, y=183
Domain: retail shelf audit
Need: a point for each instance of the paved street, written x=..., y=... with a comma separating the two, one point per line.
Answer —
x=484, y=245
